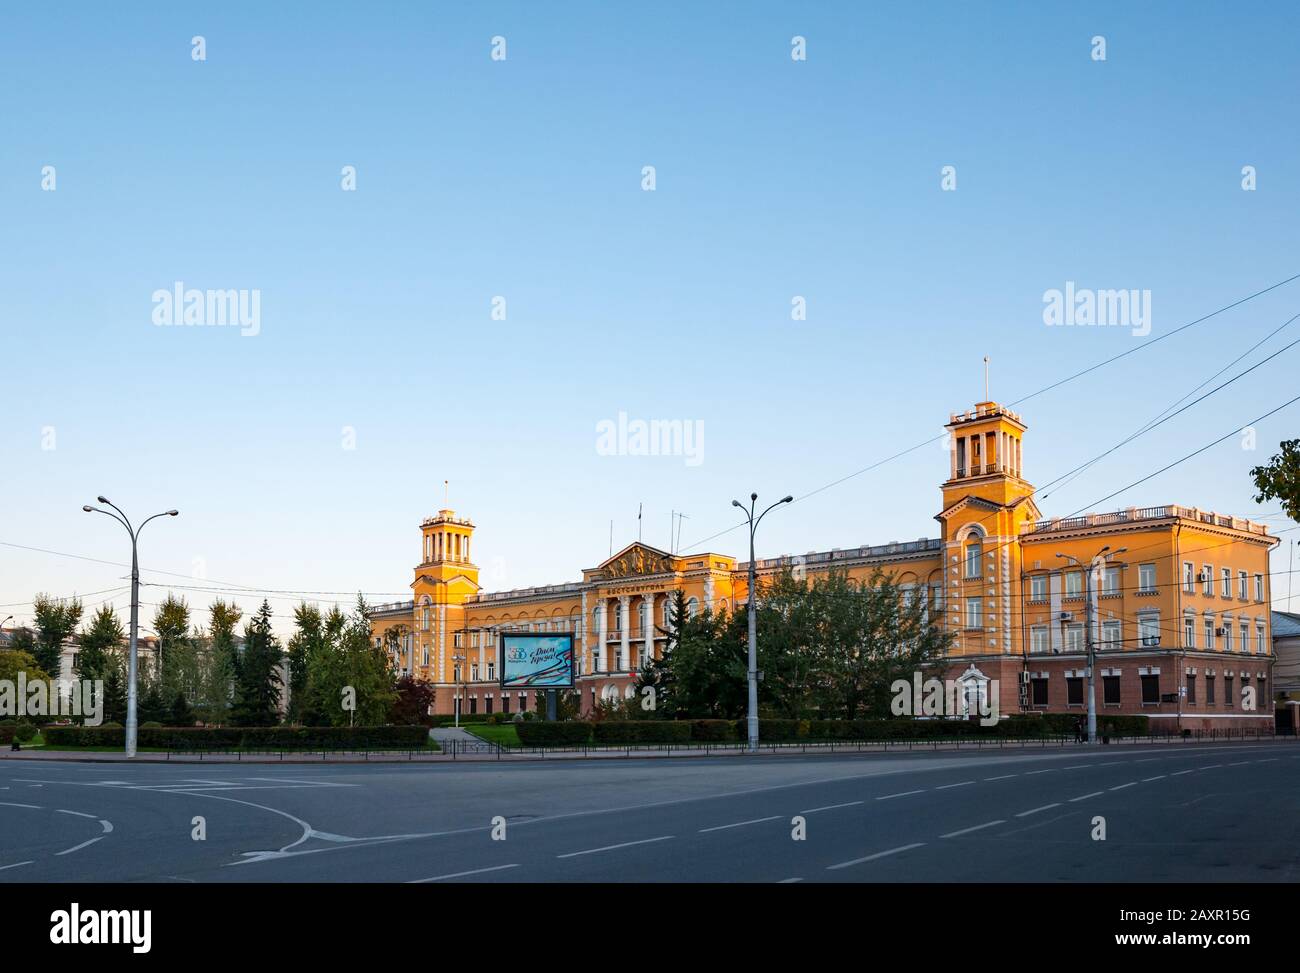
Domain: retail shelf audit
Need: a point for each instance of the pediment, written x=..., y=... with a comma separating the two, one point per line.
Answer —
x=636, y=559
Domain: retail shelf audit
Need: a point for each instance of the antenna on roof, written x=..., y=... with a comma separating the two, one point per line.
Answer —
x=986, y=378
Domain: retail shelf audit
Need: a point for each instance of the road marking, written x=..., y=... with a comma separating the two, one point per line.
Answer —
x=738, y=824
x=978, y=827
x=34, y=807
x=1003, y=777
x=944, y=787
x=1030, y=773
x=787, y=881
x=14, y=865
x=831, y=807
x=903, y=794
x=1084, y=797
x=879, y=854
x=80, y=814
x=1147, y=780
x=625, y=844
x=1181, y=772
x=1147, y=760
x=108, y=825
x=1131, y=783
x=1266, y=760
x=69, y=851
x=475, y=871
x=1210, y=766
x=1239, y=763
x=1078, y=767
x=1045, y=807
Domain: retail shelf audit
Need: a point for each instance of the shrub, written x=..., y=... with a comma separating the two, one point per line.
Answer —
x=712, y=731
x=562, y=733
x=151, y=725
x=641, y=731
x=246, y=738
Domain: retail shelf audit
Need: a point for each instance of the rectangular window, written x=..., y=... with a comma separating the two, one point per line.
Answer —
x=974, y=612
x=473, y=704
x=1149, y=630
x=1259, y=641
x=1189, y=581
x=488, y=708
x=1189, y=632
x=1225, y=583
x=1110, y=635
x=505, y=703
x=1040, y=691
x=1146, y=577
x=1209, y=634
x=1259, y=588
x=1243, y=586
x=1110, y=690
x=1074, y=584
x=1209, y=690
x=1191, y=688
x=1074, y=691
x=974, y=552
x=1207, y=579
x=492, y=671
x=1074, y=638
x=1245, y=637
x=1110, y=582
x=1038, y=639
x=1227, y=692
x=1150, y=689
x=473, y=672
x=1227, y=635
x=1038, y=587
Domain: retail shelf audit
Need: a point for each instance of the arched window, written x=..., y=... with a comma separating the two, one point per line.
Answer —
x=692, y=607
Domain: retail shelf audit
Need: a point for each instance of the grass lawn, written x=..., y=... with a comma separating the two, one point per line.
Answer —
x=503, y=734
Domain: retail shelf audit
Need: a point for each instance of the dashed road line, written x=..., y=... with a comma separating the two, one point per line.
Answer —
x=69, y=851
x=14, y=865
x=1084, y=797
x=473, y=871
x=1147, y=780
x=1131, y=783
x=1003, y=777
x=80, y=814
x=1045, y=807
x=879, y=854
x=831, y=807
x=945, y=787
x=625, y=844
x=903, y=794
x=34, y=807
x=1049, y=770
x=738, y=824
x=789, y=881
x=978, y=827
x=1190, y=770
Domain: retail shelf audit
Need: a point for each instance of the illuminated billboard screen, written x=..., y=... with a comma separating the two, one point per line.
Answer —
x=536, y=661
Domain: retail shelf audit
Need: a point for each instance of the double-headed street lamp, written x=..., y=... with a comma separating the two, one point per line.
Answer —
x=753, y=613
x=1100, y=559
x=131, y=665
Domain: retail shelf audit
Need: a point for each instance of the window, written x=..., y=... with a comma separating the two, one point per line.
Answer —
x=1209, y=689
x=1243, y=586
x=1189, y=581
x=1110, y=690
x=1149, y=630
x=1074, y=584
x=1074, y=637
x=1259, y=641
x=1227, y=692
x=1209, y=634
x=505, y=703
x=1150, y=689
x=974, y=554
x=1259, y=588
x=1038, y=641
x=1074, y=690
x=426, y=655
x=473, y=672
x=1189, y=631
x=473, y=704
x=492, y=672
x=1038, y=587
x=974, y=612
x=1110, y=582
x=1225, y=585
x=1146, y=577
x=1039, y=691
x=1110, y=634
x=1207, y=579
x=1191, y=688
x=1245, y=637
x=488, y=708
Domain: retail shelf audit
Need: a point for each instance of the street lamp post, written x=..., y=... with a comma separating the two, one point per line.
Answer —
x=753, y=613
x=457, y=660
x=1100, y=559
x=132, y=663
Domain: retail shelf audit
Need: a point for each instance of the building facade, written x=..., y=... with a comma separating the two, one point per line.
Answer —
x=1178, y=598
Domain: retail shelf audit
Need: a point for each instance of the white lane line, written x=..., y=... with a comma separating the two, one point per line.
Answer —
x=1266, y=760
x=1078, y=767
x=34, y=807
x=108, y=825
x=1084, y=797
x=474, y=871
x=1147, y=780
x=1131, y=783
x=1239, y=763
x=69, y=851
x=1147, y=760
x=738, y=824
x=1180, y=773
x=978, y=827
x=1030, y=773
x=1045, y=807
x=788, y=881
x=80, y=814
x=879, y=854
x=831, y=807
x=944, y=787
x=625, y=844
x=902, y=794
x=1003, y=777
x=14, y=865
x=1211, y=766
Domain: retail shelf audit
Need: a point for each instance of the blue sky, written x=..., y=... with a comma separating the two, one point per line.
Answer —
x=522, y=178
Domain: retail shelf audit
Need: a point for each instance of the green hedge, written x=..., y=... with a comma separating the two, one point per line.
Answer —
x=245, y=738
x=641, y=731
x=7, y=734
x=563, y=733
x=713, y=731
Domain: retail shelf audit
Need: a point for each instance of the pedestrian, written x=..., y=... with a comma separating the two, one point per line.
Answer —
x=1079, y=734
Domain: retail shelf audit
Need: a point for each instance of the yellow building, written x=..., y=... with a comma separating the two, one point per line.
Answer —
x=1180, y=617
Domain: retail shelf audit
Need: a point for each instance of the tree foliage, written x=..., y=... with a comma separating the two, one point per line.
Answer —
x=1280, y=478
x=55, y=620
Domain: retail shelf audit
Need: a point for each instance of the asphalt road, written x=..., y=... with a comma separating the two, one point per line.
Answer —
x=1194, y=813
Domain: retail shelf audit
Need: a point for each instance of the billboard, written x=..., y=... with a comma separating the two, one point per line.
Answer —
x=536, y=661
